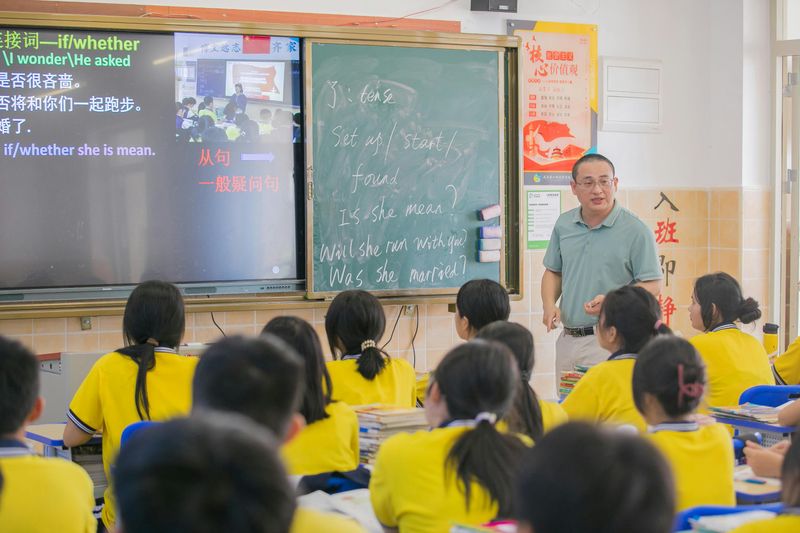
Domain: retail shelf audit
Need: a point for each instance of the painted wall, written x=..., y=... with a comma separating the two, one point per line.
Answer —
x=716, y=75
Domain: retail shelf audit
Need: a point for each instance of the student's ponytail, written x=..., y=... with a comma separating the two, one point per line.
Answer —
x=154, y=316
x=635, y=314
x=354, y=324
x=145, y=357
x=525, y=415
x=372, y=360
x=720, y=298
x=476, y=380
x=670, y=369
x=749, y=311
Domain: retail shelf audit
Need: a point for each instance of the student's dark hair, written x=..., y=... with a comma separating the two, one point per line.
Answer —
x=260, y=377
x=154, y=316
x=482, y=301
x=582, y=478
x=208, y=100
x=670, y=369
x=790, y=474
x=229, y=111
x=474, y=378
x=636, y=315
x=19, y=385
x=525, y=415
x=299, y=334
x=189, y=101
x=723, y=291
x=205, y=474
x=265, y=112
x=355, y=317
x=589, y=158
x=201, y=106
x=238, y=86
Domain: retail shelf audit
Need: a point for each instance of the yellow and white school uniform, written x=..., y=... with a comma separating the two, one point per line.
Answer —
x=410, y=490
x=735, y=361
x=785, y=523
x=327, y=445
x=786, y=367
x=552, y=415
x=42, y=495
x=395, y=385
x=701, y=459
x=605, y=394
x=311, y=521
x=105, y=402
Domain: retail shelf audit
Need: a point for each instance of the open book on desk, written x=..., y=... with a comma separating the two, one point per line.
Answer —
x=353, y=503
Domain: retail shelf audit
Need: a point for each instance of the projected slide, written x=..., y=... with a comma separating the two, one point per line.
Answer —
x=259, y=79
x=112, y=171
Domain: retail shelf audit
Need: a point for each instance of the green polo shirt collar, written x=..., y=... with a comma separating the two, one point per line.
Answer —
x=607, y=222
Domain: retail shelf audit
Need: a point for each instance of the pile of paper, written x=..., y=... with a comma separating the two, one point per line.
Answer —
x=749, y=411
x=376, y=423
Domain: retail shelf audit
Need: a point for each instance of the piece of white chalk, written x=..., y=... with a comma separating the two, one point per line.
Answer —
x=489, y=244
x=488, y=213
x=491, y=232
x=489, y=256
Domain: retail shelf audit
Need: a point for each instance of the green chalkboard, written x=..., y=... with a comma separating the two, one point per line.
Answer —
x=405, y=146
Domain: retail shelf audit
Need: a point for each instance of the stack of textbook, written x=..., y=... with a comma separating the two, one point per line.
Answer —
x=569, y=378
x=748, y=411
x=376, y=423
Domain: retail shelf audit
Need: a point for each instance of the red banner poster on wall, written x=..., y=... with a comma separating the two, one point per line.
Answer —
x=558, y=97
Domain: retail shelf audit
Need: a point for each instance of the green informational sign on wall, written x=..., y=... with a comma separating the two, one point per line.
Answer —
x=544, y=208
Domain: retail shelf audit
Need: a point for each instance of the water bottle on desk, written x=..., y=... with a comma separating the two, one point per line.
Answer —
x=771, y=340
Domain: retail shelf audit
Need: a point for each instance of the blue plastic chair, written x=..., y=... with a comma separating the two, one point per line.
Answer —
x=693, y=513
x=132, y=429
x=770, y=395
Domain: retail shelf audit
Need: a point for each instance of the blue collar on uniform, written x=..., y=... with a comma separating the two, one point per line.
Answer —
x=674, y=426
x=608, y=221
x=620, y=355
x=352, y=356
x=724, y=325
x=13, y=448
x=458, y=422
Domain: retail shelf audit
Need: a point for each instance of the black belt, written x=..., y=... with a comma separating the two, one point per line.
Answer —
x=579, y=332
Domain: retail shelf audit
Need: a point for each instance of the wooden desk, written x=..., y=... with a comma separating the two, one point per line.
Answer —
x=753, y=493
x=48, y=440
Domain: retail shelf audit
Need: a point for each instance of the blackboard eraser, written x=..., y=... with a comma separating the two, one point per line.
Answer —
x=488, y=213
x=489, y=256
x=489, y=244
x=491, y=232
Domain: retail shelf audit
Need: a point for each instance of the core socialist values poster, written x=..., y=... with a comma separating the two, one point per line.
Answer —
x=559, y=97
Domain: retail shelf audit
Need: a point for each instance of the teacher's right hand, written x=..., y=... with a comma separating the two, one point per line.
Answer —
x=552, y=318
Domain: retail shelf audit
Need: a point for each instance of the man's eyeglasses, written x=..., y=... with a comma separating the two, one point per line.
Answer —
x=604, y=183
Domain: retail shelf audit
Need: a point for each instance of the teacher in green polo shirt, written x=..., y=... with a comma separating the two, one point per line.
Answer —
x=594, y=248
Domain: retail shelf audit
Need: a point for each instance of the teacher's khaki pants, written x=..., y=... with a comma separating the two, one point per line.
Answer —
x=577, y=350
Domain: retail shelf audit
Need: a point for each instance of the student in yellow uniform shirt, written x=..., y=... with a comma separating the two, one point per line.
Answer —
x=362, y=373
x=39, y=495
x=480, y=302
x=460, y=471
x=789, y=520
x=586, y=479
x=528, y=414
x=668, y=384
x=786, y=367
x=735, y=361
x=146, y=380
x=262, y=379
x=629, y=319
x=207, y=473
x=329, y=442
